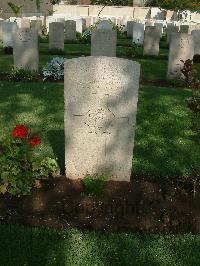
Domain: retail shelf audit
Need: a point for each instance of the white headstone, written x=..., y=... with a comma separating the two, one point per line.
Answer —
x=130, y=28
x=181, y=48
x=56, y=35
x=80, y=25
x=151, y=41
x=103, y=43
x=70, y=30
x=8, y=29
x=104, y=25
x=196, y=36
x=1, y=30
x=101, y=95
x=138, y=33
x=25, y=49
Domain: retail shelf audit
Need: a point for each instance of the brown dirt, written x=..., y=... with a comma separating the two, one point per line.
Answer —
x=139, y=206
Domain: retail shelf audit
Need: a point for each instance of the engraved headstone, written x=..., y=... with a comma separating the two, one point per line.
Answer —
x=181, y=48
x=8, y=30
x=70, y=30
x=56, y=35
x=25, y=49
x=100, y=116
x=196, y=36
x=151, y=41
x=103, y=43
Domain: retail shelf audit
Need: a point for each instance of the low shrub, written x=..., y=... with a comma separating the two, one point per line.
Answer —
x=20, y=167
x=189, y=73
x=20, y=74
x=132, y=50
x=93, y=185
x=54, y=69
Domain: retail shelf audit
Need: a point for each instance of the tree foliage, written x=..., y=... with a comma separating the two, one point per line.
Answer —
x=193, y=5
x=15, y=8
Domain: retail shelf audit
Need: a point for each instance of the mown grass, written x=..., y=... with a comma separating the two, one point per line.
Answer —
x=22, y=246
x=164, y=143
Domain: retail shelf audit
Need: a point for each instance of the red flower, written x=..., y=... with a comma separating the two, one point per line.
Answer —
x=34, y=141
x=20, y=131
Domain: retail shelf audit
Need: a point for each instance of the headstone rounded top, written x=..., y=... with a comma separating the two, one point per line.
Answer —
x=103, y=59
x=104, y=25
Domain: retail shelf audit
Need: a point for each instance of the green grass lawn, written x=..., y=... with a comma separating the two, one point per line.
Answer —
x=164, y=143
x=20, y=246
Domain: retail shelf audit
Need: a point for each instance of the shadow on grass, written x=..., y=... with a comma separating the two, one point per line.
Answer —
x=25, y=246
x=57, y=142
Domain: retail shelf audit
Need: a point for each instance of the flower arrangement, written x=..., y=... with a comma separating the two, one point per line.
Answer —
x=20, y=168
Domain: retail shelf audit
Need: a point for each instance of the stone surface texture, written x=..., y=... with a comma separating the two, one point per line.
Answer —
x=8, y=30
x=101, y=95
x=70, y=30
x=103, y=43
x=181, y=48
x=196, y=36
x=56, y=35
x=25, y=49
x=138, y=33
x=151, y=41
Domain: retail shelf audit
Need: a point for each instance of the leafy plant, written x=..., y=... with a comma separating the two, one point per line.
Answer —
x=85, y=37
x=193, y=102
x=15, y=8
x=20, y=168
x=189, y=73
x=54, y=69
x=132, y=50
x=93, y=185
x=20, y=74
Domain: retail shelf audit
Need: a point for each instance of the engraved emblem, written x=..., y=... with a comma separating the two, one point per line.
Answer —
x=99, y=121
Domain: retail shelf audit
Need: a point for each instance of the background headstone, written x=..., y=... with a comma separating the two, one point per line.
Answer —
x=1, y=30
x=196, y=36
x=130, y=28
x=56, y=35
x=171, y=28
x=8, y=29
x=37, y=25
x=181, y=48
x=138, y=33
x=104, y=25
x=25, y=49
x=101, y=95
x=151, y=41
x=70, y=30
x=80, y=25
x=103, y=43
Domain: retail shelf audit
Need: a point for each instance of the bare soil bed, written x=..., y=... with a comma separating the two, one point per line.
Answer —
x=139, y=206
